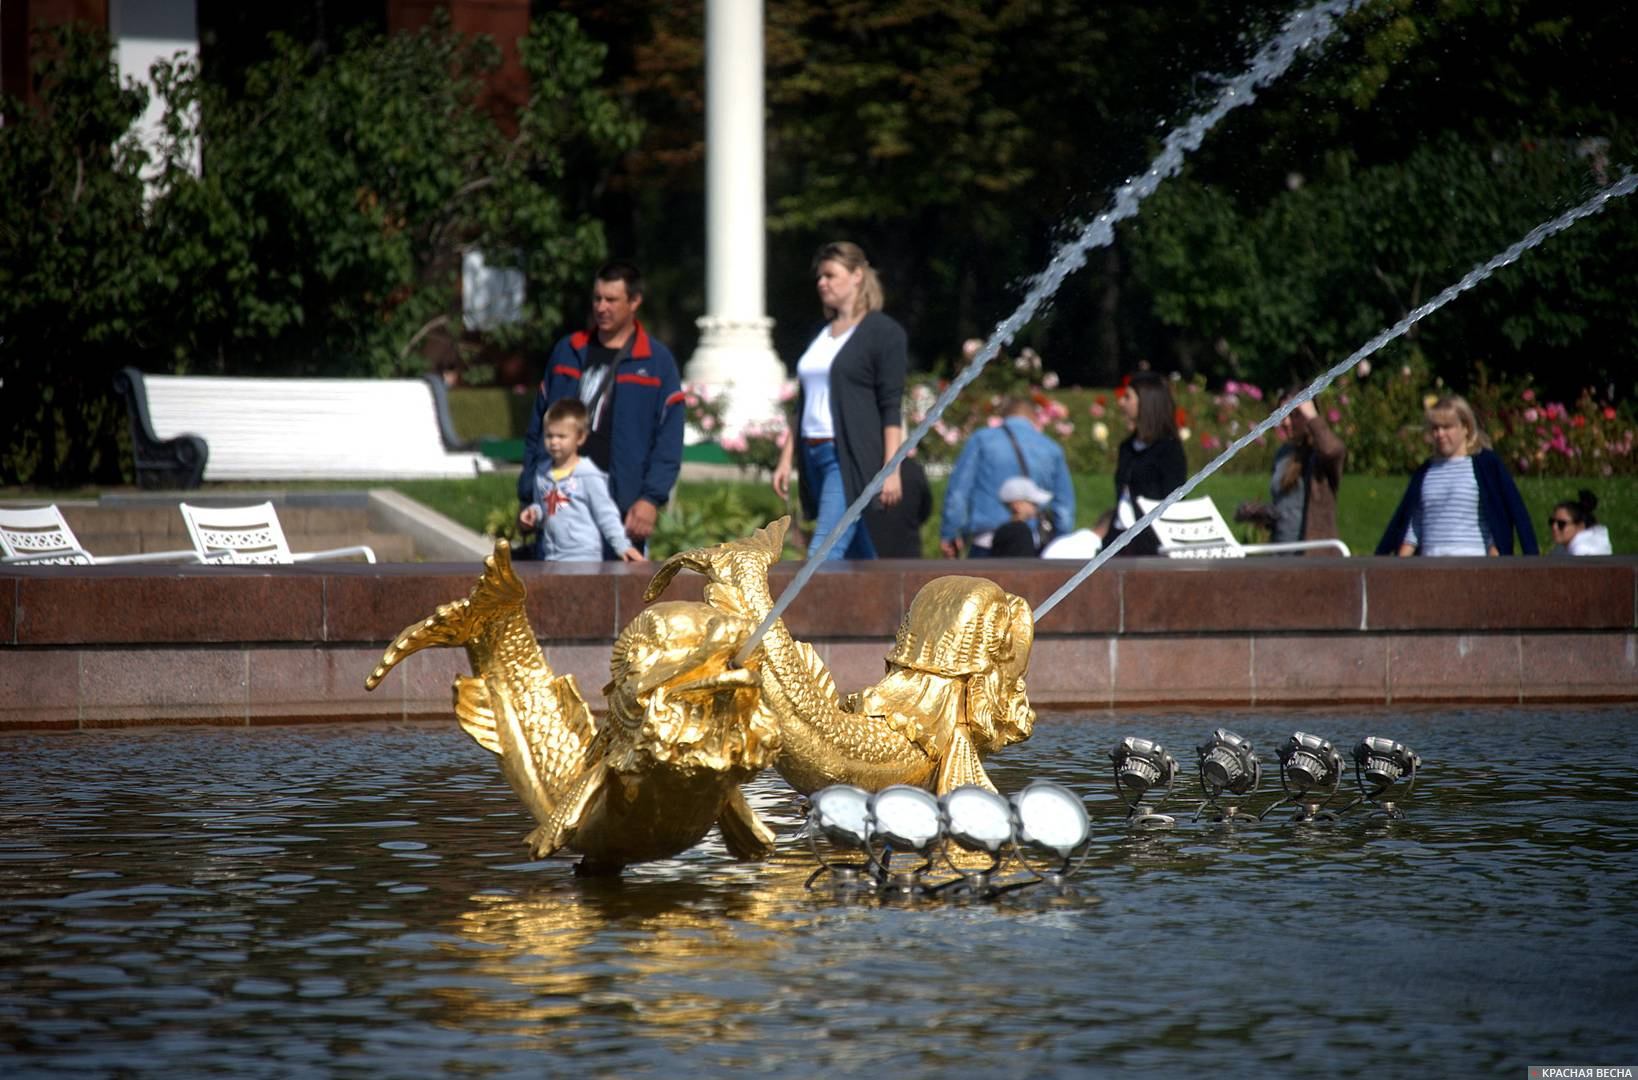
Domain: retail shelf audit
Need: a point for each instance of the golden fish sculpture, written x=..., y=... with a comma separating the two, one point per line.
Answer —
x=953, y=693
x=684, y=727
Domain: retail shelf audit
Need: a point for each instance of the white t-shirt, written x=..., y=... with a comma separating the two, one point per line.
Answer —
x=813, y=371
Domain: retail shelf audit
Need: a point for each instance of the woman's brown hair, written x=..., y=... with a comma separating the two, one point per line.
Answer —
x=1157, y=412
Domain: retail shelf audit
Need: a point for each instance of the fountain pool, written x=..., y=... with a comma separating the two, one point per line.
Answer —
x=353, y=901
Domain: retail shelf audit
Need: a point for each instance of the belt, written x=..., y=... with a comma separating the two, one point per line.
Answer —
x=818, y=442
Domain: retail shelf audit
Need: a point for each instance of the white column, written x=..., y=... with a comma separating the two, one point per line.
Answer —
x=735, y=353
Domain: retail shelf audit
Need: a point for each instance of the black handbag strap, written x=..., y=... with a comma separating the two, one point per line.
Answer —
x=1023, y=466
x=1043, y=523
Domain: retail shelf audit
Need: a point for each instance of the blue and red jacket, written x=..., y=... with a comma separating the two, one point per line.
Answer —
x=645, y=416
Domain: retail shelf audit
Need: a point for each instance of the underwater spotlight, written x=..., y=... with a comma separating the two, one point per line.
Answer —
x=1141, y=764
x=1309, y=766
x=1051, y=820
x=1379, y=764
x=1383, y=763
x=1228, y=764
x=903, y=818
x=977, y=818
x=840, y=814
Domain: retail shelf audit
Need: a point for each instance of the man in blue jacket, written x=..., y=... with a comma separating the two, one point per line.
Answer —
x=993, y=455
x=634, y=403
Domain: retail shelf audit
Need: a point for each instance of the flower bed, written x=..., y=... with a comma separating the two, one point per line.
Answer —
x=1377, y=412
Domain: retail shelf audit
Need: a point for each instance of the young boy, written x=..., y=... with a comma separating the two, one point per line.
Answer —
x=1024, y=499
x=572, y=502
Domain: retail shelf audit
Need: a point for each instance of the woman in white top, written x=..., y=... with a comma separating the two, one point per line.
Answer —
x=1462, y=501
x=1576, y=530
x=849, y=418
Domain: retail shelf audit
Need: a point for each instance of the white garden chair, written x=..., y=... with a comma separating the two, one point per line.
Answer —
x=41, y=537
x=1193, y=529
x=248, y=535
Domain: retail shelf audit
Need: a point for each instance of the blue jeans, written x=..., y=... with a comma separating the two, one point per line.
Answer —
x=821, y=468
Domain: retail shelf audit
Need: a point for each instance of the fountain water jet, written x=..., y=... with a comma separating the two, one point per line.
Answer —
x=1624, y=186
x=1308, y=27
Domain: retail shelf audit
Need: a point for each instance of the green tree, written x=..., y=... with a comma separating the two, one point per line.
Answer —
x=959, y=140
x=340, y=192
x=323, y=234
x=73, y=266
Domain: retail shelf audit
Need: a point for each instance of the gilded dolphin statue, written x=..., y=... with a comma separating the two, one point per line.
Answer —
x=684, y=727
x=953, y=693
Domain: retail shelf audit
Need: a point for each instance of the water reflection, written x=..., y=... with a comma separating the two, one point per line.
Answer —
x=355, y=900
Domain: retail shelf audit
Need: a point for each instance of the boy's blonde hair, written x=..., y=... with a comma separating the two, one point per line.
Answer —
x=567, y=409
x=1457, y=406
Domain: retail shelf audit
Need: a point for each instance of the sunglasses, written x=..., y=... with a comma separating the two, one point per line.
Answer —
x=1560, y=523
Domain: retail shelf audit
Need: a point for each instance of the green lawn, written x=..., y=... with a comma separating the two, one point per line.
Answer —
x=1364, y=506
x=1366, y=503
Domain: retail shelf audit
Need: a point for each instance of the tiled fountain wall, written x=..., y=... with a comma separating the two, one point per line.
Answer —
x=113, y=646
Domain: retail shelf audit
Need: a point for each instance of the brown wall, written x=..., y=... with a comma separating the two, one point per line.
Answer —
x=504, y=20
x=102, y=646
x=18, y=20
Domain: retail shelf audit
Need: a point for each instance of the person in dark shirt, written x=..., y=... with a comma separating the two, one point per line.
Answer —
x=896, y=529
x=1150, y=463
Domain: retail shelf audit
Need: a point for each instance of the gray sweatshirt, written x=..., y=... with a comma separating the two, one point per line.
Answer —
x=573, y=511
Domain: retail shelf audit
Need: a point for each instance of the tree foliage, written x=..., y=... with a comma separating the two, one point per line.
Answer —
x=74, y=271
x=323, y=234
x=958, y=141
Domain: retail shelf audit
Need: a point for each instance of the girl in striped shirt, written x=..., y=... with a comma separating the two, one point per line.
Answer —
x=1462, y=501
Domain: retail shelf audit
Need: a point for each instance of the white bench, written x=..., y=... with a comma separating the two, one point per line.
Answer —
x=185, y=428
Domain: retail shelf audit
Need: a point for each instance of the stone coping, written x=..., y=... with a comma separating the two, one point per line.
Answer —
x=113, y=646
x=332, y=603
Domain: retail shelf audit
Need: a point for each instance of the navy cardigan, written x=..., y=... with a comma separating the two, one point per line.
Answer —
x=866, y=390
x=1499, y=502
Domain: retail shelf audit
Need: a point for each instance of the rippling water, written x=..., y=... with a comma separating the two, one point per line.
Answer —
x=355, y=902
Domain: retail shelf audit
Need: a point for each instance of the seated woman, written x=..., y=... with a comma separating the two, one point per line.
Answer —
x=1575, y=530
x=1303, y=489
x=1461, y=501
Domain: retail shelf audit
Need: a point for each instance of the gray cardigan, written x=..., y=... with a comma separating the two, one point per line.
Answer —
x=866, y=395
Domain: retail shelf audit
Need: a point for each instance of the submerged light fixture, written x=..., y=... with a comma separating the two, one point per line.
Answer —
x=976, y=820
x=1228, y=765
x=903, y=819
x=1051, y=820
x=841, y=815
x=1140, y=765
x=1044, y=819
x=1310, y=773
x=1379, y=764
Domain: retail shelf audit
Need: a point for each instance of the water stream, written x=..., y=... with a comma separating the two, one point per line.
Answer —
x=1303, y=30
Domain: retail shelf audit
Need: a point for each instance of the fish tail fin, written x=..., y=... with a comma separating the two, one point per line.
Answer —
x=960, y=765
x=745, y=834
x=475, y=712
x=724, y=562
x=458, y=622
